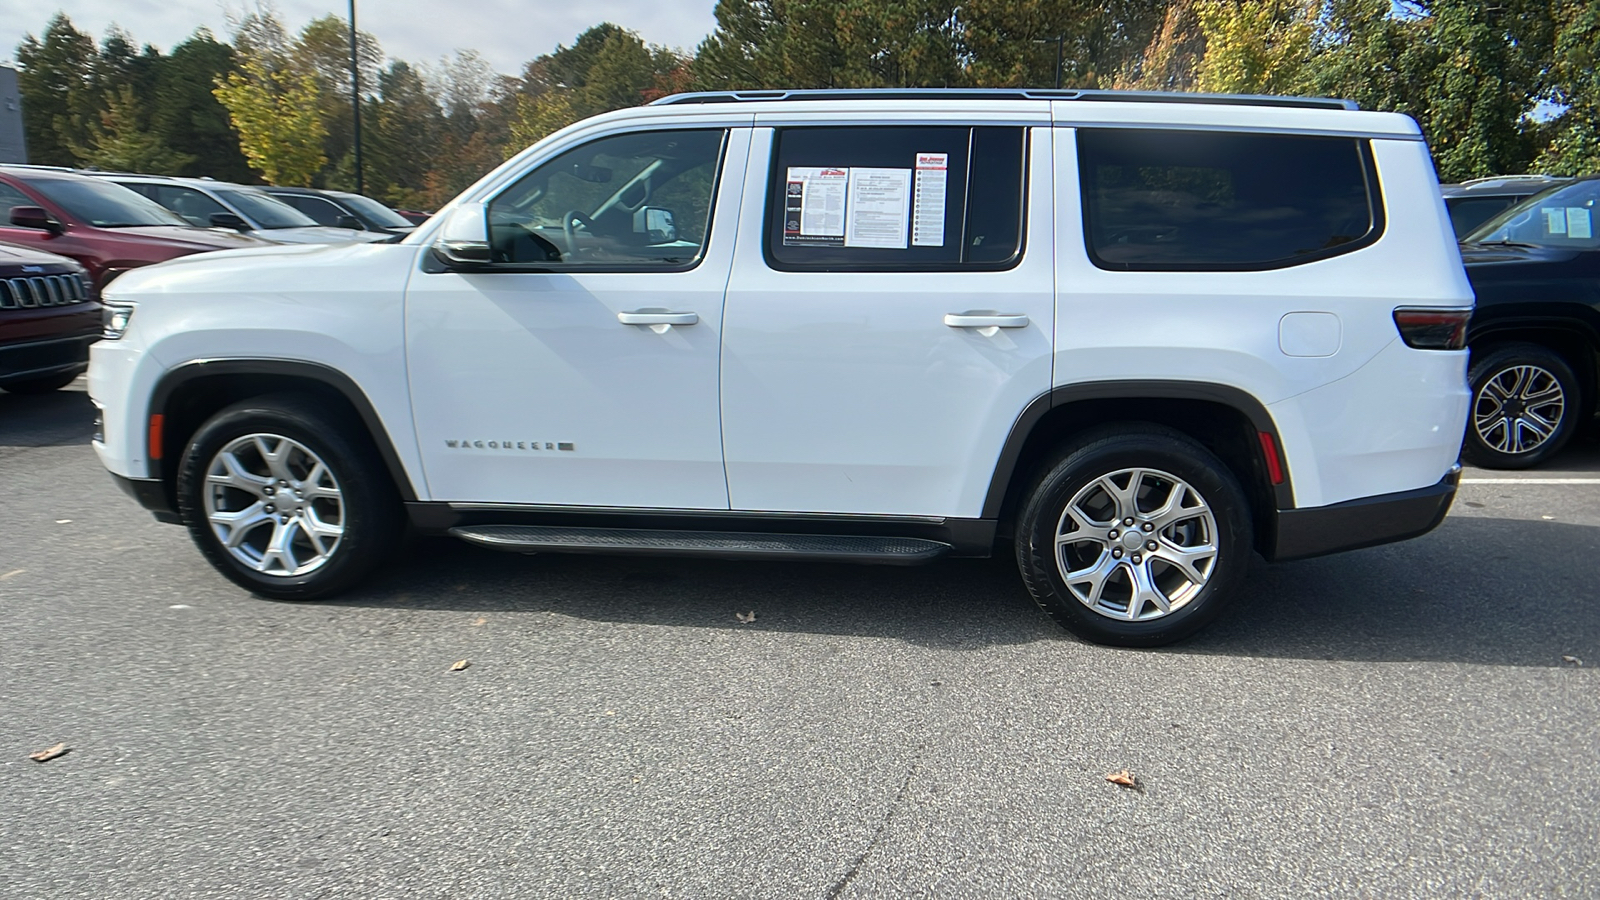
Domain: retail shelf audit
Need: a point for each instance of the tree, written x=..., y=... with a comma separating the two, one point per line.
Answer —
x=275, y=112
x=322, y=50
x=1574, y=88
x=1255, y=46
x=56, y=91
x=406, y=126
x=187, y=115
x=1171, y=61
x=119, y=142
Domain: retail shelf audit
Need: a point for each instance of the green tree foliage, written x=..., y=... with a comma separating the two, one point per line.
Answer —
x=275, y=111
x=187, y=116
x=322, y=50
x=1255, y=46
x=122, y=142
x=57, y=91
x=1574, y=86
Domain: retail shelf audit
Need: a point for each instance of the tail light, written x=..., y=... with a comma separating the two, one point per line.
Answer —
x=1433, y=328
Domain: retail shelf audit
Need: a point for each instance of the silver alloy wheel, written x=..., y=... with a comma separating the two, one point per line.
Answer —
x=274, y=505
x=1518, y=409
x=1136, y=544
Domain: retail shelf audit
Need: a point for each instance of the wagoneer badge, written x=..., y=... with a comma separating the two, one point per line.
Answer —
x=510, y=445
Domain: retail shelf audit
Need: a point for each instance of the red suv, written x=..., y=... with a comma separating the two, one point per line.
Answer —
x=47, y=320
x=104, y=226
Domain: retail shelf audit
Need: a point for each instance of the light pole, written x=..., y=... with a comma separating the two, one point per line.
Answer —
x=1059, y=40
x=355, y=96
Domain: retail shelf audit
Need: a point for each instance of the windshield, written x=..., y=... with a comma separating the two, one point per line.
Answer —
x=103, y=204
x=266, y=210
x=373, y=211
x=1559, y=217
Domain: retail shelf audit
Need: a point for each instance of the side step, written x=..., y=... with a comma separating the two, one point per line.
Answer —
x=893, y=551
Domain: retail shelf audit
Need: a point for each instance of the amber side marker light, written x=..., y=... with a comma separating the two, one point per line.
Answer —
x=1433, y=328
x=155, y=435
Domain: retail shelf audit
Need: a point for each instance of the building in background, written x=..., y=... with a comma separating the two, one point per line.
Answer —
x=12, y=146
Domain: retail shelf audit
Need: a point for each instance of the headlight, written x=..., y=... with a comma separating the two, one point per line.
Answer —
x=115, y=319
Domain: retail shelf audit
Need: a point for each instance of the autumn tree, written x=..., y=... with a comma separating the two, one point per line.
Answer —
x=120, y=141
x=274, y=109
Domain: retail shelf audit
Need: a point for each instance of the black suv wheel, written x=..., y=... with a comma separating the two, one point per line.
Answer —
x=1525, y=404
x=1135, y=536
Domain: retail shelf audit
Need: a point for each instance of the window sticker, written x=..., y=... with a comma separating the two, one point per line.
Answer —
x=879, y=208
x=1579, y=224
x=1555, y=219
x=814, y=206
x=927, y=220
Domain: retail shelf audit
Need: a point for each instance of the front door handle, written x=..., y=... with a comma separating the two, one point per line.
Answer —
x=659, y=320
x=987, y=323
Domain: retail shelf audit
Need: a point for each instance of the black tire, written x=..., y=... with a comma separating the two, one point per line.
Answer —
x=368, y=509
x=1074, y=473
x=1507, y=432
x=43, y=385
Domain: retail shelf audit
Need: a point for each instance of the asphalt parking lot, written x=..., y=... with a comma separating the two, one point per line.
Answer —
x=1418, y=720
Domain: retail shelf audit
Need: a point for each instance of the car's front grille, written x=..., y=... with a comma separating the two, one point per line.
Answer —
x=42, y=290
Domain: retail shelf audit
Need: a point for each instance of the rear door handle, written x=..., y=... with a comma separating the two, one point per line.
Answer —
x=659, y=320
x=985, y=320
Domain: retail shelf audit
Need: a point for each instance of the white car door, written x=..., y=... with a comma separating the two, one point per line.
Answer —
x=890, y=314
x=579, y=366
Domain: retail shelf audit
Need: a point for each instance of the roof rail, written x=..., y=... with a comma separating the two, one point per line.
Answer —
x=1004, y=94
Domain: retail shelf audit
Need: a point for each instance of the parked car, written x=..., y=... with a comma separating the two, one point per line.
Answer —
x=1535, y=336
x=1132, y=338
x=341, y=209
x=1471, y=203
x=48, y=319
x=106, y=228
x=250, y=210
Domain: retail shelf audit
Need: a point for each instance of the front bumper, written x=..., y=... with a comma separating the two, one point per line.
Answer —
x=39, y=359
x=1364, y=522
x=151, y=494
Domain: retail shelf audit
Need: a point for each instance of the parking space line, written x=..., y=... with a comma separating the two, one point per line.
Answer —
x=1530, y=481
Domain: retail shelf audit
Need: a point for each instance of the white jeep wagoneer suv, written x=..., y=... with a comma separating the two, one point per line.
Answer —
x=1135, y=337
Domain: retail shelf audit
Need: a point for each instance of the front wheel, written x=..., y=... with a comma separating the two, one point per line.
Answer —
x=1134, y=537
x=1524, y=407
x=286, y=502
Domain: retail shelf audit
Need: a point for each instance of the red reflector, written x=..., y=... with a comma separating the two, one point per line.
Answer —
x=1425, y=328
x=155, y=436
x=1269, y=447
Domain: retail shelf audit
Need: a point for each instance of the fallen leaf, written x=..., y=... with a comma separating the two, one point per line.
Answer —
x=460, y=664
x=11, y=574
x=480, y=620
x=1547, y=517
x=52, y=753
x=1124, y=778
x=63, y=521
x=1572, y=659
x=746, y=618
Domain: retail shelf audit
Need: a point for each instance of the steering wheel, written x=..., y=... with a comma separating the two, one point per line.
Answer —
x=569, y=233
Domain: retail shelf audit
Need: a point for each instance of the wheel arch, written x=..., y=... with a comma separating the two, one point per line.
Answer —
x=1226, y=420
x=1576, y=341
x=188, y=394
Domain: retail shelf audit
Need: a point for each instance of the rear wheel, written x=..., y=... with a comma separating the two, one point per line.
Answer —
x=1525, y=404
x=1134, y=537
x=286, y=502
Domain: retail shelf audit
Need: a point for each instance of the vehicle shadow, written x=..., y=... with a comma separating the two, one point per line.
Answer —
x=1478, y=590
x=46, y=420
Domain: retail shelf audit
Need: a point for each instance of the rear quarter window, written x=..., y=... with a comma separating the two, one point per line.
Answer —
x=1167, y=200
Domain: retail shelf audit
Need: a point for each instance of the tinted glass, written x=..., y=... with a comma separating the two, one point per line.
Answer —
x=104, y=204
x=896, y=198
x=592, y=205
x=322, y=211
x=195, y=208
x=1559, y=217
x=9, y=197
x=265, y=210
x=1467, y=213
x=1196, y=200
x=374, y=212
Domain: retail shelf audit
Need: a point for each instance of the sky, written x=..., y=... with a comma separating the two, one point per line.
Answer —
x=506, y=32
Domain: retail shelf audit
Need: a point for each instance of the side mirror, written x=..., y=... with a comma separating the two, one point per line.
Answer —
x=228, y=220
x=34, y=217
x=350, y=222
x=656, y=224
x=463, y=239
